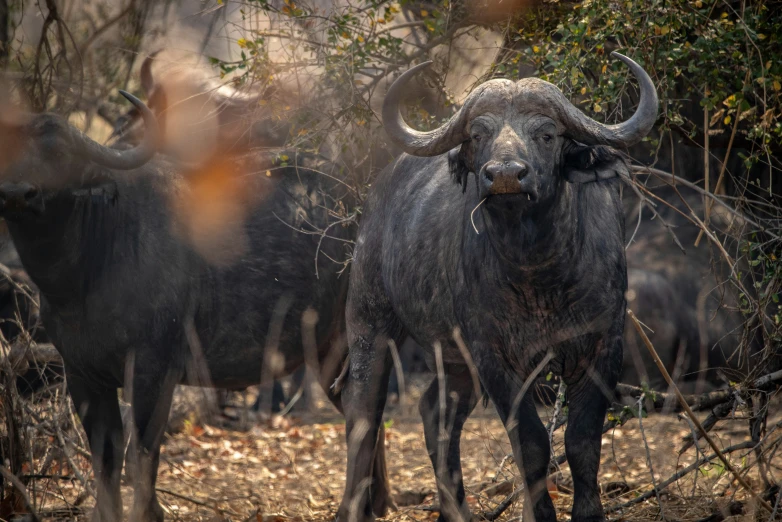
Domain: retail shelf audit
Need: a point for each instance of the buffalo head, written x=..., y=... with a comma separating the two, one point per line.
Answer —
x=522, y=138
x=200, y=117
x=50, y=156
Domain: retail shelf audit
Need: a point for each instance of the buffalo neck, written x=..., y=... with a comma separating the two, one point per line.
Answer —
x=538, y=240
x=66, y=249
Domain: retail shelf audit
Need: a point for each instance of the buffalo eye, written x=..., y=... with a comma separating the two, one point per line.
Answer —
x=476, y=138
x=547, y=138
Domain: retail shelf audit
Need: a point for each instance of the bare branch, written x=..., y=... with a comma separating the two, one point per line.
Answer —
x=740, y=478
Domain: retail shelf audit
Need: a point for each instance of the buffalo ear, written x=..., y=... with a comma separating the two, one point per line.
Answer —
x=458, y=164
x=585, y=164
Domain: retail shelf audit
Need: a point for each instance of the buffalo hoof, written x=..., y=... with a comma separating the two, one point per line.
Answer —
x=382, y=506
x=343, y=515
x=382, y=503
x=153, y=513
x=98, y=516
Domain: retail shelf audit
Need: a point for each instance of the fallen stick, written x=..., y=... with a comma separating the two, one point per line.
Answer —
x=705, y=401
x=718, y=413
x=720, y=403
x=197, y=502
x=21, y=356
x=741, y=480
x=494, y=514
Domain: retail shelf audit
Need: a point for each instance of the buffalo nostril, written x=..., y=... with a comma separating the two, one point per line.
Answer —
x=31, y=193
x=492, y=171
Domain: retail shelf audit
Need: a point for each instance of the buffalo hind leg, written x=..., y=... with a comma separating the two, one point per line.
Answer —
x=528, y=436
x=363, y=400
x=460, y=400
x=153, y=390
x=587, y=405
x=98, y=409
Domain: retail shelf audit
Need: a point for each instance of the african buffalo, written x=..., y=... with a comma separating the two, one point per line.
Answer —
x=693, y=315
x=151, y=275
x=525, y=257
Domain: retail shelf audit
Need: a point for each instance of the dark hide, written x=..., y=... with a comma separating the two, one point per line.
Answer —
x=672, y=328
x=132, y=295
x=539, y=275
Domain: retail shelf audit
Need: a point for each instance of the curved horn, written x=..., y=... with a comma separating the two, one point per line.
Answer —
x=583, y=128
x=417, y=143
x=122, y=159
x=147, y=82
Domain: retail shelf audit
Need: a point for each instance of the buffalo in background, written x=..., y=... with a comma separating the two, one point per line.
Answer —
x=682, y=296
x=200, y=116
x=223, y=273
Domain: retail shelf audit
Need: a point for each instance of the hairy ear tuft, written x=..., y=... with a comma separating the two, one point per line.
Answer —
x=458, y=164
x=585, y=164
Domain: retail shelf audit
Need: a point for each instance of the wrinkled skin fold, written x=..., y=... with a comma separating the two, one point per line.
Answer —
x=505, y=223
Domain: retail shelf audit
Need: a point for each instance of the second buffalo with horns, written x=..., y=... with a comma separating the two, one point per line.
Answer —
x=504, y=228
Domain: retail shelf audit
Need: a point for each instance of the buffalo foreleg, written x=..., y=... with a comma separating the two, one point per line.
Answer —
x=528, y=437
x=443, y=436
x=588, y=400
x=153, y=389
x=380, y=489
x=363, y=400
x=98, y=409
x=330, y=363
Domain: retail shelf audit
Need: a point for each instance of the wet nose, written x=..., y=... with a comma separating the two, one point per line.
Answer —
x=505, y=177
x=17, y=194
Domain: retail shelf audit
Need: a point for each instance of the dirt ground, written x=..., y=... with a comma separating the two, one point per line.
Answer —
x=293, y=468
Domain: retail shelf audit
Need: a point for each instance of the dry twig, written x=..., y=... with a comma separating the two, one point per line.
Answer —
x=19, y=486
x=741, y=480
